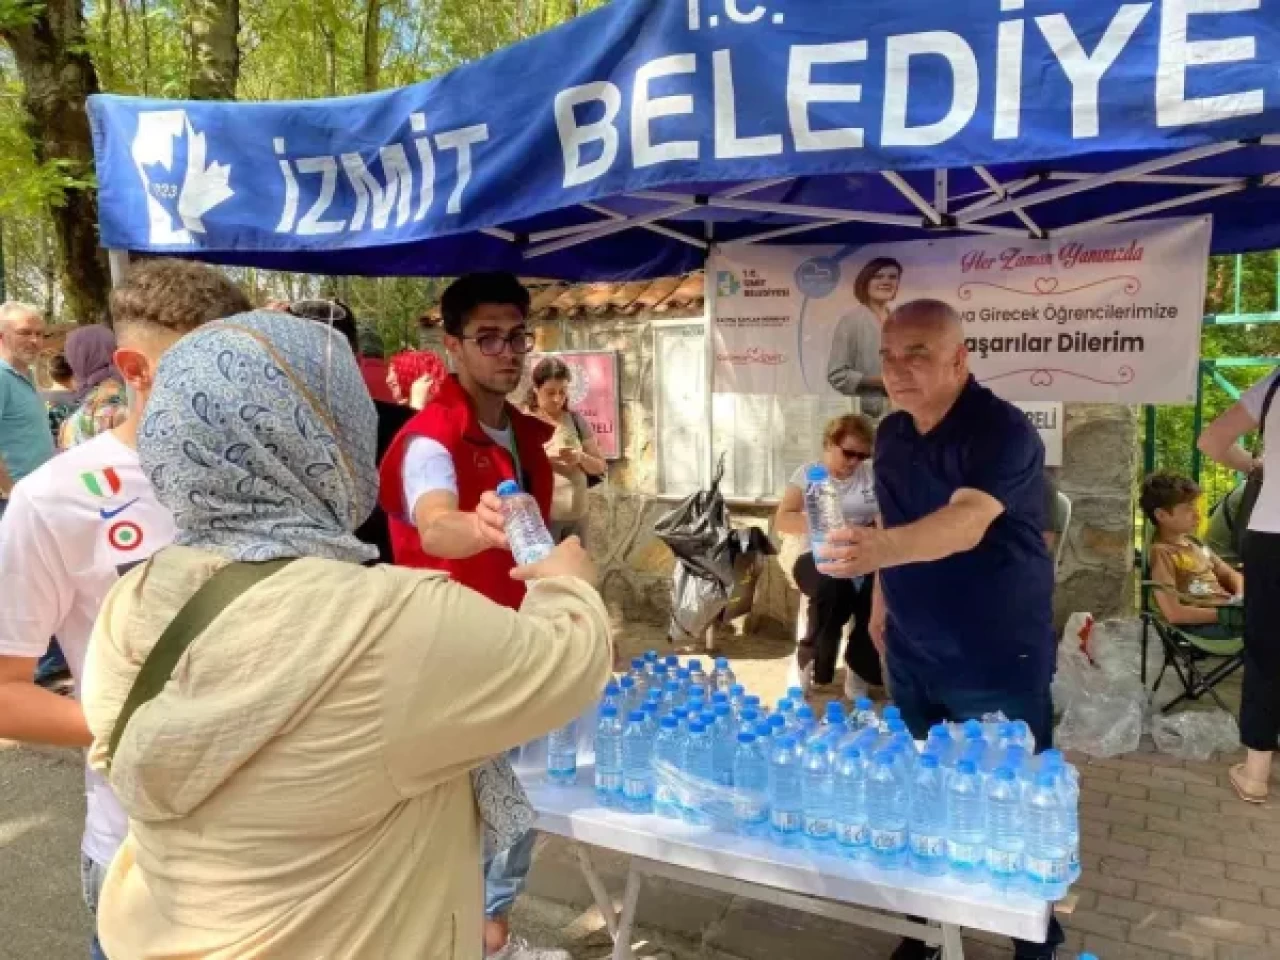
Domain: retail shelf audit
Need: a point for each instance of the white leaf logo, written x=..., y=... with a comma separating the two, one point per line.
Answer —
x=204, y=186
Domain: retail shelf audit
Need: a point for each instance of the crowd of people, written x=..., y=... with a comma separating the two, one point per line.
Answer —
x=301, y=647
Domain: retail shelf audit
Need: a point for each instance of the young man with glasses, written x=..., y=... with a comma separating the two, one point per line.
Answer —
x=846, y=454
x=438, y=483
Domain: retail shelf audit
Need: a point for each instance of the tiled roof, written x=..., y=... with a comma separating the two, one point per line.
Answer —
x=554, y=301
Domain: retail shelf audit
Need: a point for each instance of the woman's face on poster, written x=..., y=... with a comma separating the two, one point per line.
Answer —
x=883, y=287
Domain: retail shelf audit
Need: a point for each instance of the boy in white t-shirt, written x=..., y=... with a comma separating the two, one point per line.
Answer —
x=76, y=524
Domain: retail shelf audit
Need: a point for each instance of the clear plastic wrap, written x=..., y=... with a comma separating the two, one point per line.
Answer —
x=1098, y=688
x=708, y=803
x=1195, y=734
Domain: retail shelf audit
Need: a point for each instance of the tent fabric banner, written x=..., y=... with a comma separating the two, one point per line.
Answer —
x=1111, y=316
x=634, y=126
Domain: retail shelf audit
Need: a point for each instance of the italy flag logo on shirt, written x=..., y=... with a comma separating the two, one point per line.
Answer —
x=101, y=483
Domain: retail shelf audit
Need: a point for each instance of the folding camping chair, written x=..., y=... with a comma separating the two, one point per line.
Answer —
x=1200, y=663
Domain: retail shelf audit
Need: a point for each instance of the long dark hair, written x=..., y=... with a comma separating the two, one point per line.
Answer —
x=863, y=280
x=548, y=369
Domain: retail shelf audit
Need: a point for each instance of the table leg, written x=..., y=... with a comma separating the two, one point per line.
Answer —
x=603, y=901
x=952, y=944
x=630, y=899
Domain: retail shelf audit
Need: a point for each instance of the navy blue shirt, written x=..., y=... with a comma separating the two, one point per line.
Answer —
x=982, y=619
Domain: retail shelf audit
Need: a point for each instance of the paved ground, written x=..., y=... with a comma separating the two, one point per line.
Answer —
x=1174, y=866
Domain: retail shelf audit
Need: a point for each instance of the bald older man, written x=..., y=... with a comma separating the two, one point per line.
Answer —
x=25, y=440
x=963, y=607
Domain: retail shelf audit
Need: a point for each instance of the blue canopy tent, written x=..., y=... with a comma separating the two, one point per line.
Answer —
x=623, y=144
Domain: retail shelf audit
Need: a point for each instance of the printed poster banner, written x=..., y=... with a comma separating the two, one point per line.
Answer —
x=1109, y=316
x=593, y=393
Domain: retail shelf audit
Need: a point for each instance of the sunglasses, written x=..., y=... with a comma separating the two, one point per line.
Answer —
x=855, y=454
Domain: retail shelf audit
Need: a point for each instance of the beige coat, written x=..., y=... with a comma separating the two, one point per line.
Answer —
x=300, y=790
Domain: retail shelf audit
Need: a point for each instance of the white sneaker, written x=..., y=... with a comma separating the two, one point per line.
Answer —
x=518, y=948
x=854, y=686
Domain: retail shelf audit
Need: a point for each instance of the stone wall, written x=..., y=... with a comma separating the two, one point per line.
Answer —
x=1100, y=454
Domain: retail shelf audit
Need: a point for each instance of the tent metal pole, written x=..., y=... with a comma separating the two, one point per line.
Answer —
x=118, y=264
x=940, y=199
x=917, y=201
x=651, y=227
x=1021, y=214
x=709, y=292
x=1103, y=179
x=1150, y=208
x=818, y=213
x=1006, y=190
x=1155, y=179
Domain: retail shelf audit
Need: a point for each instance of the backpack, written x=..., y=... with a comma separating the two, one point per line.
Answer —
x=1238, y=525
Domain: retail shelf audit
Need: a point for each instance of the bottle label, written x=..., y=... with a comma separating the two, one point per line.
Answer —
x=636, y=788
x=563, y=765
x=1004, y=862
x=888, y=841
x=664, y=794
x=929, y=847
x=965, y=852
x=817, y=827
x=852, y=834
x=1047, y=869
x=608, y=782
x=787, y=821
x=750, y=811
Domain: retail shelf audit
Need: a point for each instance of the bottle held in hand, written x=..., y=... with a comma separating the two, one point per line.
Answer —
x=822, y=507
x=530, y=541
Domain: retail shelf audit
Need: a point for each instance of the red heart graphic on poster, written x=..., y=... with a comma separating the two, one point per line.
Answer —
x=1046, y=284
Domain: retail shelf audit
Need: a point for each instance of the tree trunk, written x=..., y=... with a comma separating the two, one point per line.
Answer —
x=57, y=76
x=372, y=49
x=215, y=48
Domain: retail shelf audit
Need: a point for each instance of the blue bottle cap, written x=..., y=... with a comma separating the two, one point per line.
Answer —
x=626, y=683
x=737, y=690
x=805, y=713
x=668, y=723
x=673, y=686
x=611, y=687
x=892, y=713
x=864, y=703
x=816, y=473
x=752, y=701
x=795, y=693
x=720, y=697
x=1053, y=753
x=777, y=722
x=940, y=734
x=682, y=673
x=637, y=663
x=653, y=696
x=1003, y=773
x=746, y=736
x=672, y=660
x=722, y=663
x=696, y=726
x=721, y=710
x=707, y=717
x=1008, y=729
x=785, y=743
x=1045, y=780
x=608, y=711
x=835, y=710
x=508, y=488
x=651, y=656
x=679, y=713
x=966, y=766
x=851, y=752
x=972, y=730
x=649, y=708
x=785, y=705
x=695, y=666
x=896, y=726
x=764, y=730
x=928, y=761
x=749, y=716
x=635, y=716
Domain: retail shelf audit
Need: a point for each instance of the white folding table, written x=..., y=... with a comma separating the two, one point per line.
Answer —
x=827, y=886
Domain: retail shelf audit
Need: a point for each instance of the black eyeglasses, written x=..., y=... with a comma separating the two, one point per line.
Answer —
x=855, y=454
x=491, y=344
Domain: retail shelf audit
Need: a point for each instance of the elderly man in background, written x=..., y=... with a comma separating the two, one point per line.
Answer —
x=963, y=605
x=25, y=442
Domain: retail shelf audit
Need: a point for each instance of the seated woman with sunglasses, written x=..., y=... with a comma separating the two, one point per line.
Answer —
x=847, y=444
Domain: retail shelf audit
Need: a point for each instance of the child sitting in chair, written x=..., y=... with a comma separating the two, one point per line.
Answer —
x=1194, y=582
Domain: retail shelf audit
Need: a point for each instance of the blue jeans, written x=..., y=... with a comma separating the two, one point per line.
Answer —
x=91, y=877
x=505, y=875
x=925, y=703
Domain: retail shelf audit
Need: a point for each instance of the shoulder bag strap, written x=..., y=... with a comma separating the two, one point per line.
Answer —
x=214, y=596
x=1266, y=408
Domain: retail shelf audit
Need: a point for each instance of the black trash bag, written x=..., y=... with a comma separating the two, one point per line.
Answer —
x=698, y=533
x=749, y=548
x=696, y=603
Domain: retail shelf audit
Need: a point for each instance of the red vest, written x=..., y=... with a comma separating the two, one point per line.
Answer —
x=480, y=465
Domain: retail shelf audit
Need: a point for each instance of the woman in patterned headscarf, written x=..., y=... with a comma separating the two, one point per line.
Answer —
x=100, y=398
x=300, y=787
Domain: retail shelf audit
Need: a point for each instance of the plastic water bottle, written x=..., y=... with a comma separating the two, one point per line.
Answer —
x=751, y=786
x=786, y=797
x=863, y=716
x=650, y=710
x=737, y=697
x=637, y=765
x=748, y=719
x=696, y=673
x=795, y=695
x=818, y=790
x=670, y=697
x=804, y=724
x=1004, y=829
x=889, y=713
x=850, y=804
x=765, y=735
x=650, y=660
x=562, y=754
x=667, y=748
x=726, y=744
x=722, y=677
x=682, y=677
x=609, y=758
x=720, y=696
x=1069, y=791
x=612, y=696
x=941, y=745
x=887, y=810
x=699, y=766
x=833, y=720
x=822, y=507
x=671, y=661
x=927, y=826
x=628, y=693
x=1048, y=850
x=752, y=702
x=777, y=726
x=522, y=520
x=966, y=823
x=785, y=708
x=640, y=674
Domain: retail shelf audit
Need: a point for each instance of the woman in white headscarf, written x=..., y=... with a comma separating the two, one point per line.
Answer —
x=302, y=786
